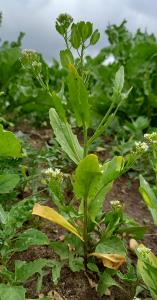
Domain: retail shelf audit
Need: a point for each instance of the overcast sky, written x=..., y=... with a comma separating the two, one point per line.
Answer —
x=37, y=19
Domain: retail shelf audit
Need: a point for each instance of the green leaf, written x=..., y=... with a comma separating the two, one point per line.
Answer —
x=85, y=30
x=8, y=182
x=95, y=37
x=136, y=232
x=112, y=169
x=87, y=176
x=112, y=245
x=29, y=238
x=57, y=103
x=24, y=270
x=11, y=292
x=9, y=144
x=75, y=38
x=55, y=185
x=3, y=215
x=61, y=249
x=109, y=172
x=56, y=270
x=148, y=197
x=105, y=282
x=119, y=80
x=18, y=214
x=147, y=268
x=78, y=97
x=65, y=137
x=66, y=58
x=93, y=267
x=76, y=264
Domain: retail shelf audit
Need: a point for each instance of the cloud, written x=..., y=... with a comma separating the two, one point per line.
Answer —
x=37, y=19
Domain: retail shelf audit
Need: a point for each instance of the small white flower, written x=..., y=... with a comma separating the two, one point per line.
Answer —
x=116, y=204
x=53, y=173
x=141, y=146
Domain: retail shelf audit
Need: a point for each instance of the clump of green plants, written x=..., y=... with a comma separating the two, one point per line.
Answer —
x=93, y=240
x=14, y=237
x=94, y=234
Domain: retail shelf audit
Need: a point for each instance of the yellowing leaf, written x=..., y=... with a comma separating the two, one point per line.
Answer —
x=112, y=261
x=51, y=215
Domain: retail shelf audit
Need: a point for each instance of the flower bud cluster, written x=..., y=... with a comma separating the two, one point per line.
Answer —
x=116, y=204
x=143, y=252
x=141, y=147
x=31, y=59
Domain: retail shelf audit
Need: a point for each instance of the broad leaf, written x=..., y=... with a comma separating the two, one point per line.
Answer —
x=112, y=169
x=112, y=245
x=119, y=80
x=53, y=216
x=148, y=197
x=9, y=144
x=106, y=281
x=24, y=270
x=61, y=249
x=11, y=292
x=76, y=263
x=78, y=96
x=18, y=214
x=75, y=38
x=95, y=37
x=66, y=58
x=85, y=29
x=31, y=237
x=109, y=172
x=87, y=176
x=57, y=103
x=8, y=182
x=65, y=137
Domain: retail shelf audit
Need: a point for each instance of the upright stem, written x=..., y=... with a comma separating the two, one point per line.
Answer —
x=81, y=57
x=66, y=40
x=85, y=206
x=85, y=233
x=85, y=140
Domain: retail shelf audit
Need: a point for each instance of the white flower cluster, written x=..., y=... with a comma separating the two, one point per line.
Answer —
x=151, y=138
x=141, y=146
x=116, y=204
x=53, y=173
x=30, y=57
